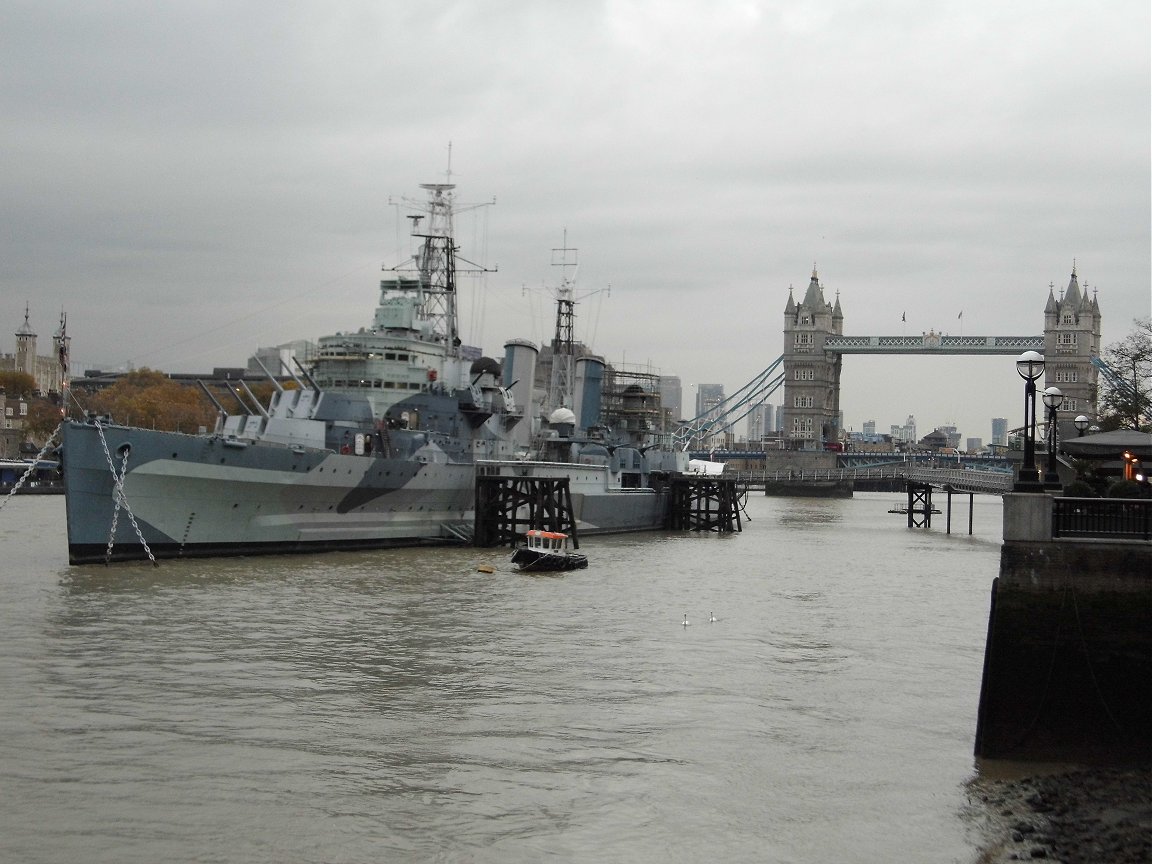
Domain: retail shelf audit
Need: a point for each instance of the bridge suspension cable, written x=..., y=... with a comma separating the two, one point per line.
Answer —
x=731, y=410
x=1118, y=382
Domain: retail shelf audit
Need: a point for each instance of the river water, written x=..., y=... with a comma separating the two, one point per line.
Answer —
x=403, y=706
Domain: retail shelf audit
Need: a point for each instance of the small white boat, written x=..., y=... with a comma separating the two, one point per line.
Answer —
x=547, y=551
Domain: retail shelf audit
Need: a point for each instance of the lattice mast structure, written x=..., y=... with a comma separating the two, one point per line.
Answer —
x=562, y=385
x=435, y=261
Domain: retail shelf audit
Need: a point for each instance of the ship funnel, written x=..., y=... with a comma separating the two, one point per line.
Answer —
x=589, y=391
x=519, y=375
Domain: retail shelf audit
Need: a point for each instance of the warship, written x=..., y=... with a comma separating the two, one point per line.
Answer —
x=376, y=443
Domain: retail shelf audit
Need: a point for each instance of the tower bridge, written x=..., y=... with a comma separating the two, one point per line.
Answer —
x=815, y=346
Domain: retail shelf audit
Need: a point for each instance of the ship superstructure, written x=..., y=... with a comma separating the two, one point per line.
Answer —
x=413, y=340
x=379, y=444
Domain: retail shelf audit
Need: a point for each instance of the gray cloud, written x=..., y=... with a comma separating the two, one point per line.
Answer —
x=191, y=181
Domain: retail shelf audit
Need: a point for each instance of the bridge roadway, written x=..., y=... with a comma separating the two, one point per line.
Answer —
x=933, y=343
x=965, y=480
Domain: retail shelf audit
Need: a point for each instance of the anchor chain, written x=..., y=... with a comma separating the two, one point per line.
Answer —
x=28, y=473
x=121, y=499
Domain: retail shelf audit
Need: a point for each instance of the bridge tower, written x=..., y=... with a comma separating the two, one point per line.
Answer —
x=811, y=409
x=1071, y=339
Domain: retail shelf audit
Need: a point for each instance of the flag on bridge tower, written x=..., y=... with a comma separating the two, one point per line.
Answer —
x=902, y=314
x=961, y=315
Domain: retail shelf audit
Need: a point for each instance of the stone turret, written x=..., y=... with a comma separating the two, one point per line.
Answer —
x=1071, y=340
x=26, y=347
x=811, y=409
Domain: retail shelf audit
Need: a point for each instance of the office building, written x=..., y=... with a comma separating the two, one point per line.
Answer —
x=999, y=431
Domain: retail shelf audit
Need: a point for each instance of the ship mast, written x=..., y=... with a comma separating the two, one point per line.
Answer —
x=436, y=262
x=561, y=387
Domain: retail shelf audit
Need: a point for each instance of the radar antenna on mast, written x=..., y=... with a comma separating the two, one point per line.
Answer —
x=435, y=261
x=561, y=390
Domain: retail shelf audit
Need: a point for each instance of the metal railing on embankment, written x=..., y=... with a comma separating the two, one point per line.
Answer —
x=1102, y=518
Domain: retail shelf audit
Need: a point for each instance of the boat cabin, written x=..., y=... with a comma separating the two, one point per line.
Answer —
x=546, y=541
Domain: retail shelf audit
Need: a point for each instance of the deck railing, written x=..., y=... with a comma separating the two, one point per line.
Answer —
x=1105, y=518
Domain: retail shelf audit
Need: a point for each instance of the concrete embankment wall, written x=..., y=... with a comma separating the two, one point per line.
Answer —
x=1068, y=661
x=822, y=489
x=780, y=466
x=782, y=461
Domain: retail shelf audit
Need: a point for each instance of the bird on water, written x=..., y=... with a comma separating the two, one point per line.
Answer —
x=686, y=622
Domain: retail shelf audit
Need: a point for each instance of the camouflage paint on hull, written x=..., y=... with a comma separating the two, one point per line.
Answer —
x=202, y=496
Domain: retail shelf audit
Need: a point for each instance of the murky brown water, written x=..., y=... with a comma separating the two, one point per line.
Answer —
x=401, y=706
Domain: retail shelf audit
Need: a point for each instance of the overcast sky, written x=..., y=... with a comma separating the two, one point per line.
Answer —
x=192, y=180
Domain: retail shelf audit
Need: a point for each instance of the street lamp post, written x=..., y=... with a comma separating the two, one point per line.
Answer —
x=1081, y=423
x=1053, y=396
x=1029, y=366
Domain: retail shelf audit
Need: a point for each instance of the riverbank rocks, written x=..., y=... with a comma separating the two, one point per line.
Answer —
x=1084, y=816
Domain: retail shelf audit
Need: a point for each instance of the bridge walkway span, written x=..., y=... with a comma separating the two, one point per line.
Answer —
x=958, y=479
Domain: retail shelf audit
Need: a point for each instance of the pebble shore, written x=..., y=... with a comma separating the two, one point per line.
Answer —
x=1082, y=816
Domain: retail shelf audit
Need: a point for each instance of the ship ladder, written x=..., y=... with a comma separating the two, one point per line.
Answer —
x=462, y=531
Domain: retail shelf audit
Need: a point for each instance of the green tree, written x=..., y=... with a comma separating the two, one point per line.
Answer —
x=1126, y=401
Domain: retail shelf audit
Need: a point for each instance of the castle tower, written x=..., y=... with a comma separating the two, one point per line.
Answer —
x=1071, y=340
x=811, y=409
x=26, y=347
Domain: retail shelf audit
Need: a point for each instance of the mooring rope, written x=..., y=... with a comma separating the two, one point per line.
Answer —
x=121, y=499
x=32, y=467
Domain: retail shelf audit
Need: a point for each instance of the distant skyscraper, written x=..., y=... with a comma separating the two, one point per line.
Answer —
x=761, y=421
x=975, y=444
x=870, y=427
x=708, y=396
x=1000, y=431
x=672, y=396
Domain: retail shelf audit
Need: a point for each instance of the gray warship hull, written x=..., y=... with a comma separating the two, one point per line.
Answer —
x=206, y=496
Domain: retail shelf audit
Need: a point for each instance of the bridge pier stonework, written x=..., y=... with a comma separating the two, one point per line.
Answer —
x=815, y=345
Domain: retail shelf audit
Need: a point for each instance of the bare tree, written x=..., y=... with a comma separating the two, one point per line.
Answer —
x=1126, y=393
